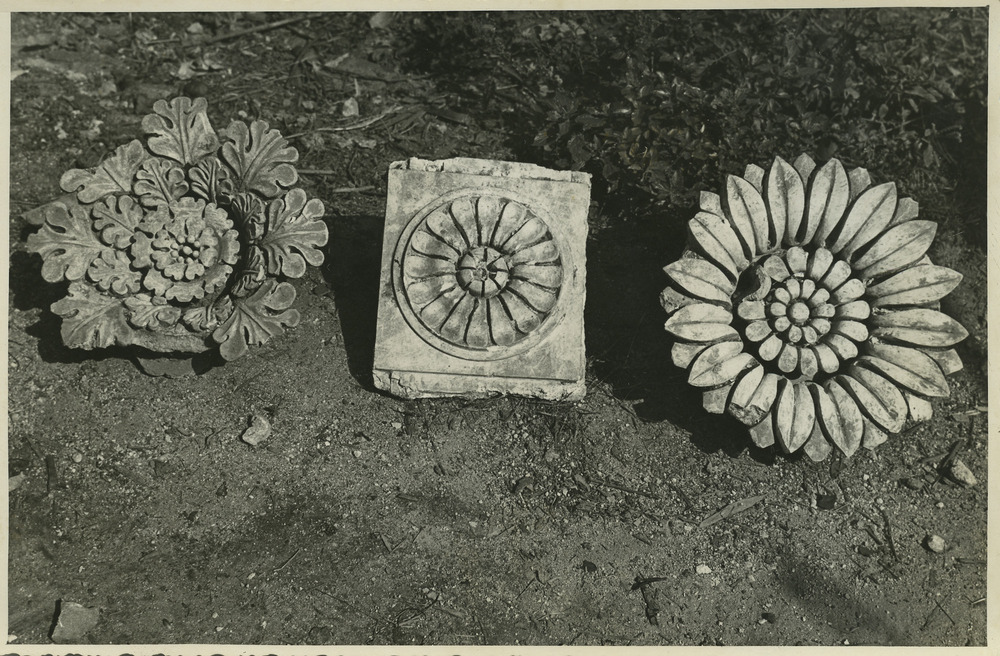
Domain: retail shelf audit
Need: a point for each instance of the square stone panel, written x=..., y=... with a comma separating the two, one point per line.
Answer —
x=483, y=280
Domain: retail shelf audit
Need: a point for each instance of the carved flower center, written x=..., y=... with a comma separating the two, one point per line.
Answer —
x=806, y=313
x=483, y=271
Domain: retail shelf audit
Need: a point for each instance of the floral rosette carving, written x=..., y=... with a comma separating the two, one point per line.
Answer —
x=807, y=308
x=183, y=242
x=481, y=272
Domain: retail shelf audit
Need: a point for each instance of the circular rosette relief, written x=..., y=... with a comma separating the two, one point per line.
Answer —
x=479, y=275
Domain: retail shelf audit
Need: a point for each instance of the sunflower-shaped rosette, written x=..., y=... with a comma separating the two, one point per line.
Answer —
x=807, y=308
x=479, y=275
x=183, y=242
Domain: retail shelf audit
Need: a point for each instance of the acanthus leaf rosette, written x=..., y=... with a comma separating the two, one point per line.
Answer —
x=806, y=307
x=182, y=242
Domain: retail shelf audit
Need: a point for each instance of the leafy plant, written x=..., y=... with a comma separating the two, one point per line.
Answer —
x=167, y=246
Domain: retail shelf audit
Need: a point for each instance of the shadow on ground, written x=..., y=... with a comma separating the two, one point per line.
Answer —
x=353, y=269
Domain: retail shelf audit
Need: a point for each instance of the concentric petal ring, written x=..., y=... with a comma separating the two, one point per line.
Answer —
x=807, y=307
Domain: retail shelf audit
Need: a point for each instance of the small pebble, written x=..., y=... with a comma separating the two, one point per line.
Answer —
x=74, y=621
x=935, y=543
x=961, y=474
x=357, y=454
x=15, y=482
x=703, y=569
x=77, y=457
x=259, y=431
x=398, y=425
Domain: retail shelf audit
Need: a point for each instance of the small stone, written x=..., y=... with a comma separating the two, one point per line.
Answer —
x=397, y=425
x=77, y=457
x=357, y=454
x=961, y=474
x=259, y=431
x=15, y=482
x=703, y=569
x=934, y=543
x=74, y=621
x=913, y=483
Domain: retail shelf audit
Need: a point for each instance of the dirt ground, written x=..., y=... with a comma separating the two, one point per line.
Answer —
x=369, y=520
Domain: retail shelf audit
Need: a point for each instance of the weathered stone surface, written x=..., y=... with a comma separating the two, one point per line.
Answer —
x=483, y=280
x=807, y=307
x=74, y=621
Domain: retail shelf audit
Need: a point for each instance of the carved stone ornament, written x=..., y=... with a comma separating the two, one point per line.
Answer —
x=182, y=242
x=806, y=307
x=483, y=280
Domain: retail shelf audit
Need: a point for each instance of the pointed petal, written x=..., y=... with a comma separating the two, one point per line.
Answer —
x=672, y=300
x=852, y=427
x=804, y=165
x=719, y=364
x=859, y=180
x=762, y=433
x=488, y=210
x=805, y=418
x=918, y=408
x=920, y=327
x=711, y=202
x=759, y=403
x=873, y=435
x=917, y=285
x=701, y=322
x=701, y=279
x=794, y=416
x=906, y=210
x=868, y=218
x=899, y=247
x=748, y=214
x=877, y=397
x=755, y=176
x=717, y=240
x=786, y=199
x=948, y=360
x=463, y=211
x=746, y=385
x=888, y=396
x=714, y=400
x=817, y=447
x=829, y=193
x=908, y=367
x=683, y=353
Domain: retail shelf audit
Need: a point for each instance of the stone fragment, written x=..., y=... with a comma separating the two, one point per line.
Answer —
x=703, y=569
x=483, y=280
x=935, y=543
x=74, y=621
x=961, y=474
x=259, y=431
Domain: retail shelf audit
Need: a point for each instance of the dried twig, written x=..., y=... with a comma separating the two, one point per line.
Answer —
x=360, y=125
x=251, y=30
x=730, y=510
x=278, y=569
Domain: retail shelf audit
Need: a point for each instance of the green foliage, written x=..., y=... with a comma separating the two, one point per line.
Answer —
x=662, y=104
